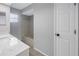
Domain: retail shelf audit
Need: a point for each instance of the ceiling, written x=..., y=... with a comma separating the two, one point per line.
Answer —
x=18, y=6
x=28, y=12
x=21, y=6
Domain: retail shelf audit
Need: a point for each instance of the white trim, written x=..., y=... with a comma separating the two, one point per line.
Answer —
x=40, y=52
x=54, y=30
x=76, y=27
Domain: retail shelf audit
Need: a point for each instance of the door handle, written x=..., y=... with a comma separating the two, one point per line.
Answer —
x=57, y=34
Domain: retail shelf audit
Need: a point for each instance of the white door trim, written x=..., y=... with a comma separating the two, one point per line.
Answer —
x=76, y=27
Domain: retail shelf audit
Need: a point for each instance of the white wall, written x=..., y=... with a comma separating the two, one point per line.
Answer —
x=43, y=27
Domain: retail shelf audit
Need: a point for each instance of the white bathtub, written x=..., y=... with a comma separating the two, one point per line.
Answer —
x=11, y=46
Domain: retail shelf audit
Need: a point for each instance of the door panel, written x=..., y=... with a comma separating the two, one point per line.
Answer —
x=62, y=47
x=64, y=24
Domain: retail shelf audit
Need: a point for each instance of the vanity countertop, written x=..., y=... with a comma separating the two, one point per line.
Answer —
x=11, y=46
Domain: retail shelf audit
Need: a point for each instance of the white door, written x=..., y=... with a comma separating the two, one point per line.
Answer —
x=65, y=30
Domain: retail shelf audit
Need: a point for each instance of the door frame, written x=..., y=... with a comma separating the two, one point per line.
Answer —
x=76, y=27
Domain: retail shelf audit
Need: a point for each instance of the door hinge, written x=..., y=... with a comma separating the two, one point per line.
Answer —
x=75, y=32
x=74, y=4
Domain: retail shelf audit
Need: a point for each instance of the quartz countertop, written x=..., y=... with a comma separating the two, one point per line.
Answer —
x=11, y=46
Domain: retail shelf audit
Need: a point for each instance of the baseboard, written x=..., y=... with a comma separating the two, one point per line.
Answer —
x=40, y=52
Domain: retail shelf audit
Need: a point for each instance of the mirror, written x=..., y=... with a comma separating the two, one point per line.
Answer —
x=2, y=18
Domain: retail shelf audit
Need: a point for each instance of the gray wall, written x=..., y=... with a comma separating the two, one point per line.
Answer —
x=27, y=30
x=43, y=27
x=31, y=25
x=24, y=26
x=15, y=27
x=25, y=23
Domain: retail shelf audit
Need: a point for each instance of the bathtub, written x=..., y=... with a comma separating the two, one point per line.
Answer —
x=11, y=46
